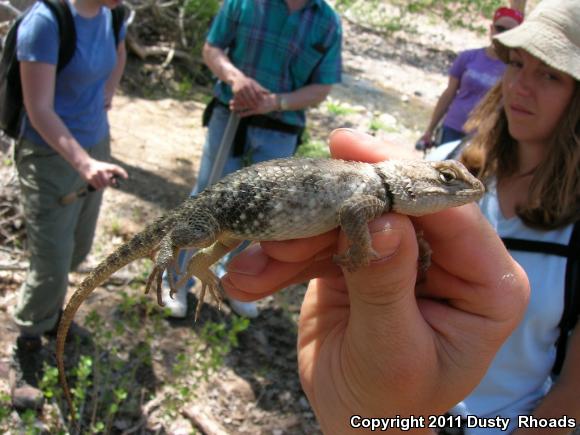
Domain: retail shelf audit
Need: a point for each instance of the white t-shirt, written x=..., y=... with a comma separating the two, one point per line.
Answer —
x=519, y=375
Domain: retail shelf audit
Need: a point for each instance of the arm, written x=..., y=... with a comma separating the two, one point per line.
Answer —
x=116, y=75
x=38, y=81
x=441, y=107
x=564, y=398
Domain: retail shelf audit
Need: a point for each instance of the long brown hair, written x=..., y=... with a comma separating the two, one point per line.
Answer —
x=554, y=196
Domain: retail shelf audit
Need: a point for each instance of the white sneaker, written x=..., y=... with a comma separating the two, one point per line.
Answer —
x=178, y=304
x=244, y=309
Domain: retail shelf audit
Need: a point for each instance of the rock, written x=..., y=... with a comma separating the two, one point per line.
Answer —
x=237, y=386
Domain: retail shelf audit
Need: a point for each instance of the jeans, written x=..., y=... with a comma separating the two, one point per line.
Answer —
x=450, y=135
x=261, y=145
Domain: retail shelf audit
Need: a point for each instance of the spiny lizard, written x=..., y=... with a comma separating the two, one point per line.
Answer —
x=279, y=200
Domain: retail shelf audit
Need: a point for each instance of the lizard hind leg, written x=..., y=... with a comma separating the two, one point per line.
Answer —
x=199, y=266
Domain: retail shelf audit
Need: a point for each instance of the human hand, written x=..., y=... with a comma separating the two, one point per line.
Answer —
x=375, y=343
x=101, y=174
x=248, y=93
x=268, y=103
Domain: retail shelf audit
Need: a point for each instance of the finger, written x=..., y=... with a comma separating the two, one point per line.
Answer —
x=301, y=249
x=392, y=274
x=350, y=144
x=252, y=97
x=119, y=171
x=253, y=274
x=471, y=253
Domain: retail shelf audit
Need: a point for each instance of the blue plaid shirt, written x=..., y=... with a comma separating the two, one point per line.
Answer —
x=281, y=51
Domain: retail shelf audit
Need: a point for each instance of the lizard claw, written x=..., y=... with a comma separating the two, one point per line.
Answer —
x=212, y=283
x=156, y=277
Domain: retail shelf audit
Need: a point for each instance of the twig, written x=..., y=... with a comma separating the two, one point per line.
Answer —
x=5, y=4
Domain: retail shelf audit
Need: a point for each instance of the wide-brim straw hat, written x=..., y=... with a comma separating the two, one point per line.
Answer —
x=551, y=33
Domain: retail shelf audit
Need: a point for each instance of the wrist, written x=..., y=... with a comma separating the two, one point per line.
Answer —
x=281, y=102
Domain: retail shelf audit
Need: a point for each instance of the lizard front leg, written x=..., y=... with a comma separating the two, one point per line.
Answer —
x=353, y=218
x=199, y=266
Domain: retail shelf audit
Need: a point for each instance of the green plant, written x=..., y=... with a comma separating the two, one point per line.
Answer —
x=221, y=339
x=337, y=108
x=5, y=407
x=313, y=148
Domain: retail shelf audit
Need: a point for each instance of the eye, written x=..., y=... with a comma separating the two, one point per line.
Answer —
x=447, y=176
x=515, y=63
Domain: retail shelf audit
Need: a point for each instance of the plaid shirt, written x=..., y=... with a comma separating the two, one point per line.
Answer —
x=283, y=52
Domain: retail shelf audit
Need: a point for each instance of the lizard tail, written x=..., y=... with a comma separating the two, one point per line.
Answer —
x=139, y=246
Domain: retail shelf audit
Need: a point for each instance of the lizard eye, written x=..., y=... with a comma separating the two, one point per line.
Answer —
x=447, y=176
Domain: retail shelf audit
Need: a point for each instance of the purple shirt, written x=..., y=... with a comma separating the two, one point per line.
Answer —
x=477, y=73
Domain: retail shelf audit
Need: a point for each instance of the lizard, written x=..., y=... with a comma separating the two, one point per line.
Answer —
x=279, y=200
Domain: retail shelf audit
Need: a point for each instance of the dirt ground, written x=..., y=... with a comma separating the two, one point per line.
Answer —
x=158, y=141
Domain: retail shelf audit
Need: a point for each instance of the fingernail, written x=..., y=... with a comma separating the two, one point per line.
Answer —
x=250, y=262
x=360, y=135
x=385, y=242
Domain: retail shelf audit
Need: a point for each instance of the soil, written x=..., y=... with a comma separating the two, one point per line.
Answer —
x=255, y=389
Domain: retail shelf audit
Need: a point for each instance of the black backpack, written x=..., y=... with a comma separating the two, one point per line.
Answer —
x=11, y=103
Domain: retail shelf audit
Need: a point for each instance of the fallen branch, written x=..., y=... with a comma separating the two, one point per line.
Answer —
x=143, y=52
x=207, y=424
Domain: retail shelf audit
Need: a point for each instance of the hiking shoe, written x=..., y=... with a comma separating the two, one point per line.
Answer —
x=25, y=372
x=244, y=309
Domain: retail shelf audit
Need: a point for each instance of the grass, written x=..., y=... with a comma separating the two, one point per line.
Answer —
x=112, y=376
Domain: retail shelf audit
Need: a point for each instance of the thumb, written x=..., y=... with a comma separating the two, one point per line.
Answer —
x=382, y=294
x=385, y=327
x=392, y=273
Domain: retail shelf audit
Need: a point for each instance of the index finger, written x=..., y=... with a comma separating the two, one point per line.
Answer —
x=354, y=145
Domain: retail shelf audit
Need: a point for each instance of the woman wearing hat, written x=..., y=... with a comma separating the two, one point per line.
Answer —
x=527, y=151
x=373, y=344
x=472, y=74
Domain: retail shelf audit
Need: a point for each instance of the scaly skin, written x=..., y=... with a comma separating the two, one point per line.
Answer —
x=280, y=200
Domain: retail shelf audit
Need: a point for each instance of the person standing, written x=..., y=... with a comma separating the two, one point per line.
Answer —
x=273, y=59
x=64, y=147
x=472, y=74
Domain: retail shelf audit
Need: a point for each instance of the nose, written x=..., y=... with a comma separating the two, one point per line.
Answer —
x=521, y=82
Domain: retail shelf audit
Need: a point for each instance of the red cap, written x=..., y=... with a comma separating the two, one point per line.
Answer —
x=508, y=12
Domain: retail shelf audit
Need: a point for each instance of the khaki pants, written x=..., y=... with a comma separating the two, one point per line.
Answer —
x=59, y=236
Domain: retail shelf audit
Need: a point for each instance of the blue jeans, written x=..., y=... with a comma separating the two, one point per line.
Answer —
x=261, y=145
x=450, y=135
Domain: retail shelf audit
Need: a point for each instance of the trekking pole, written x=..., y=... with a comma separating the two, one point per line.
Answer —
x=224, y=149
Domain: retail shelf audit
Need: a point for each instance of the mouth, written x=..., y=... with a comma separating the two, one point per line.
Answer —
x=518, y=109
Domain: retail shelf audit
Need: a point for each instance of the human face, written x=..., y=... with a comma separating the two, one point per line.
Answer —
x=535, y=97
x=111, y=4
x=501, y=25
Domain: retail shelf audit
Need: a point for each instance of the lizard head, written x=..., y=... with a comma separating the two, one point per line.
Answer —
x=418, y=187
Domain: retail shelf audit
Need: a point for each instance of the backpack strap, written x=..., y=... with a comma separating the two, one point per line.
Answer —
x=67, y=31
x=118, y=17
x=571, y=312
x=571, y=299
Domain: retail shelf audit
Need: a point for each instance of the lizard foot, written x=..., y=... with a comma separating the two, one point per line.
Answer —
x=156, y=276
x=354, y=259
x=213, y=284
x=424, y=260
